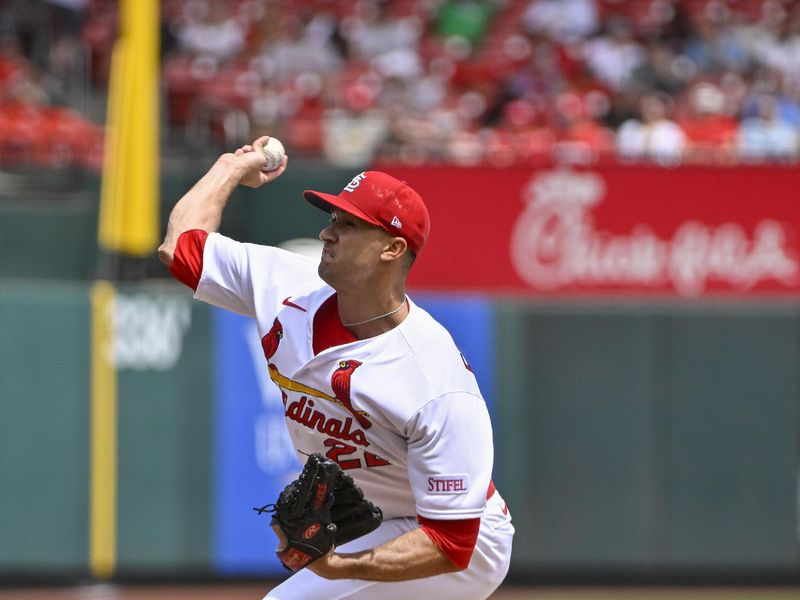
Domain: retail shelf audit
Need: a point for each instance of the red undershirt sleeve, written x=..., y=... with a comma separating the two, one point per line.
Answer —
x=187, y=261
x=455, y=538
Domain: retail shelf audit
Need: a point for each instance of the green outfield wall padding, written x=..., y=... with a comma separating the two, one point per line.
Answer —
x=576, y=435
x=660, y=438
x=733, y=439
x=44, y=402
x=164, y=389
x=53, y=239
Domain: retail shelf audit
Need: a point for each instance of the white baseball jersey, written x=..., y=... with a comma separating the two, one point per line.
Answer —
x=401, y=412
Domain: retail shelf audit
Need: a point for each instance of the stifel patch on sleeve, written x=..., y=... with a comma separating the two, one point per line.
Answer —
x=448, y=484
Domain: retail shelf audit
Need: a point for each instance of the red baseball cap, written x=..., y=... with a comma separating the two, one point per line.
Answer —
x=382, y=200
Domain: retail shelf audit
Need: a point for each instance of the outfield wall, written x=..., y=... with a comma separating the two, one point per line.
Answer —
x=658, y=439
x=650, y=439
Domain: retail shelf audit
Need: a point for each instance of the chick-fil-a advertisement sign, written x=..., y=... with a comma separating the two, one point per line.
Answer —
x=631, y=231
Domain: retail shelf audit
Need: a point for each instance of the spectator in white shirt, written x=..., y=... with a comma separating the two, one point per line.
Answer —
x=654, y=136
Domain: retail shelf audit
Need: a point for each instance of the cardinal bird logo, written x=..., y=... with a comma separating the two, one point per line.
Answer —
x=340, y=384
x=270, y=341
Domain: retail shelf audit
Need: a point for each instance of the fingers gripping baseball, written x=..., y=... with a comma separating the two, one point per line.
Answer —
x=254, y=164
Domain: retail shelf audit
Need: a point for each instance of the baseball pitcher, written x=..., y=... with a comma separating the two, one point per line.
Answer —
x=396, y=498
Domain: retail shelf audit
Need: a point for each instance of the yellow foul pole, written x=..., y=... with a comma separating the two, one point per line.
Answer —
x=103, y=434
x=129, y=192
x=128, y=226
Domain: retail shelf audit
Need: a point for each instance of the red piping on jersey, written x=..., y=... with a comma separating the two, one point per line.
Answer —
x=187, y=260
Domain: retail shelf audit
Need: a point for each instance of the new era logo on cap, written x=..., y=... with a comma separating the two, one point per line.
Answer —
x=382, y=200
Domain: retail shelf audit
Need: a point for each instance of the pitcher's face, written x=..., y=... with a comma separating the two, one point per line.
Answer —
x=351, y=250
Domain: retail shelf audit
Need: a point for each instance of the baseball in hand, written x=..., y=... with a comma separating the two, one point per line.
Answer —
x=274, y=153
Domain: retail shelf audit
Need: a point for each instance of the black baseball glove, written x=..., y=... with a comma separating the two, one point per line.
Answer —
x=302, y=515
x=319, y=510
x=352, y=513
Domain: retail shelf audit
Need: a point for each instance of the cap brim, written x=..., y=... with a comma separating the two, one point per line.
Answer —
x=325, y=201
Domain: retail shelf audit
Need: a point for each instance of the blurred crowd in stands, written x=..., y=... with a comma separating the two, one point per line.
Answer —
x=467, y=82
